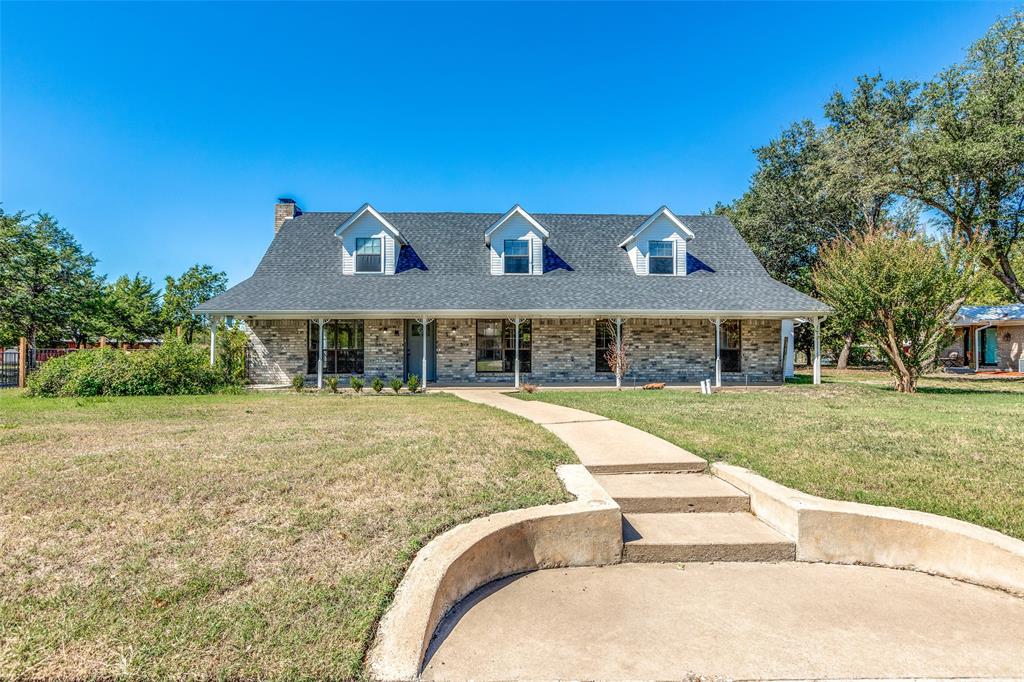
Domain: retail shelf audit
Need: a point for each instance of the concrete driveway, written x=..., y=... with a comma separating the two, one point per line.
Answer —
x=739, y=620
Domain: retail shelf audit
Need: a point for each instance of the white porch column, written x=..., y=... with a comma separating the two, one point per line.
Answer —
x=213, y=340
x=718, y=352
x=618, y=352
x=320, y=355
x=817, y=351
x=423, y=332
x=517, y=322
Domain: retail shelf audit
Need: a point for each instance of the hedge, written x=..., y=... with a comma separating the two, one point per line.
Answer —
x=174, y=368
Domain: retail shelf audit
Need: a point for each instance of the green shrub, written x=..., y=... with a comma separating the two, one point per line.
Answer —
x=396, y=384
x=332, y=384
x=172, y=368
x=414, y=383
x=299, y=382
x=232, y=343
x=357, y=384
x=377, y=384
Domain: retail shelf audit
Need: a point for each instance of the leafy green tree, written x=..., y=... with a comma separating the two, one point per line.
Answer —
x=904, y=288
x=45, y=277
x=181, y=296
x=965, y=154
x=131, y=309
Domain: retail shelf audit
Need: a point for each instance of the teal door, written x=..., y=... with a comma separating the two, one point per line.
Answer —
x=989, y=346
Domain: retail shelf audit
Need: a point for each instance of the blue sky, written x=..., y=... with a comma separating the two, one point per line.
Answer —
x=160, y=134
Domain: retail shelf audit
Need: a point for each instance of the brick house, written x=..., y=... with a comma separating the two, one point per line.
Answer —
x=352, y=293
x=987, y=338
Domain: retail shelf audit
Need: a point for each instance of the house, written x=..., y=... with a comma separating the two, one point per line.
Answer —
x=988, y=337
x=460, y=296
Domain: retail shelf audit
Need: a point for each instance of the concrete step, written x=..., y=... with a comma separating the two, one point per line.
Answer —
x=702, y=537
x=651, y=493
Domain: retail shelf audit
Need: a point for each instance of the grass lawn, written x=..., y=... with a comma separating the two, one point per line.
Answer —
x=256, y=535
x=955, y=448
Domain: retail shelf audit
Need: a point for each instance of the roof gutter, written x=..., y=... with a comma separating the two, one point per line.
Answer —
x=490, y=313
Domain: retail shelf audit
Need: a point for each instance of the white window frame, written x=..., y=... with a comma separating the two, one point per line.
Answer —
x=661, y=241
x=355, y=257
x=529, y=256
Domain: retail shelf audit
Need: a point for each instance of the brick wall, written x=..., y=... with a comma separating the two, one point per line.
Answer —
x=383, y=348
x=278, y=350
x=675, y=351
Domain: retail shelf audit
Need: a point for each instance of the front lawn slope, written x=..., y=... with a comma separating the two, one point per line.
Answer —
x=956, y=448
x=254, y=536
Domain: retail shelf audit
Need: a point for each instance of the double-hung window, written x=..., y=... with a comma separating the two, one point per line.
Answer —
x=343, y=347
x=732, y=334
x=496, y=346
x=661, y=258
x=604, y=339
x=517, y=256
x=368, y=255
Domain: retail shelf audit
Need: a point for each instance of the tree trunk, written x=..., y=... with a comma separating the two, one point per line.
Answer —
x=844, y=354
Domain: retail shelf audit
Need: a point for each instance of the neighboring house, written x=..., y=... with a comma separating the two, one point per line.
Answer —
x=347, y=293
x=988, y=337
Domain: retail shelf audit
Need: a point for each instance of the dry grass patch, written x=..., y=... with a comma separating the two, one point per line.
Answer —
x=234, y=536
x=956, y=448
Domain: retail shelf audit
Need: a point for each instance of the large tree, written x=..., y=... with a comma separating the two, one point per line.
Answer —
x=904, y=288
x=45, y=277
x=964, y=157
x=181, y=296
x=131, y=308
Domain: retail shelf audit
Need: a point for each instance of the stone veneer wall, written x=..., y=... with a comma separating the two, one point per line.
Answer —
x=1010, y=347
x=671, y=350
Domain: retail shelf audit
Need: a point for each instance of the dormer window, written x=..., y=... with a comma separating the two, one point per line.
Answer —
x=658, y=245
x=368, y=255
x=370, y=243
x=662, y=259
x=516, y=244
x=517, y=256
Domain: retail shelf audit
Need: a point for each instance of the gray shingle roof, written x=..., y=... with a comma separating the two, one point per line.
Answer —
x=301, y=272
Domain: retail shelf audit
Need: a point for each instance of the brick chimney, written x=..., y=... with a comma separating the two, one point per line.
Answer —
x=286, y=208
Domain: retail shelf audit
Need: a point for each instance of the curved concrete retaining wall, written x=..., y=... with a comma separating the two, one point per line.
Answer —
x=853, y=533
x=587, y=532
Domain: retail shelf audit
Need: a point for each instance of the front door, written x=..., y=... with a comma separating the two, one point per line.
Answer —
x=414, y=350
x=990, y=346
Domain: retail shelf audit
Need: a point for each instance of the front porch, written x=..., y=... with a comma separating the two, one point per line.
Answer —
x=551, y=351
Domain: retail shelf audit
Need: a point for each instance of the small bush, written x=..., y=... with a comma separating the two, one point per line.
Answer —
x=396, y=384
x=332, y=384
x=357, y=384
x=529, y=388
x=299, y=382
x=174, y=368
x=414, y=383
x=377, y=384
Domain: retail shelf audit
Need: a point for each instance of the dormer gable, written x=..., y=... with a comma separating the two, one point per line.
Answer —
x=370, y=243
x=516, y=244
x=658, y=245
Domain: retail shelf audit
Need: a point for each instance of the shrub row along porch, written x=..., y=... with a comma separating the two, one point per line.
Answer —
x=483, y=350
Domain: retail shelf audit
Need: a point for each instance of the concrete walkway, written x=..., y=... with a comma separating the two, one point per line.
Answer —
x=738, y=620
x=602, y=445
